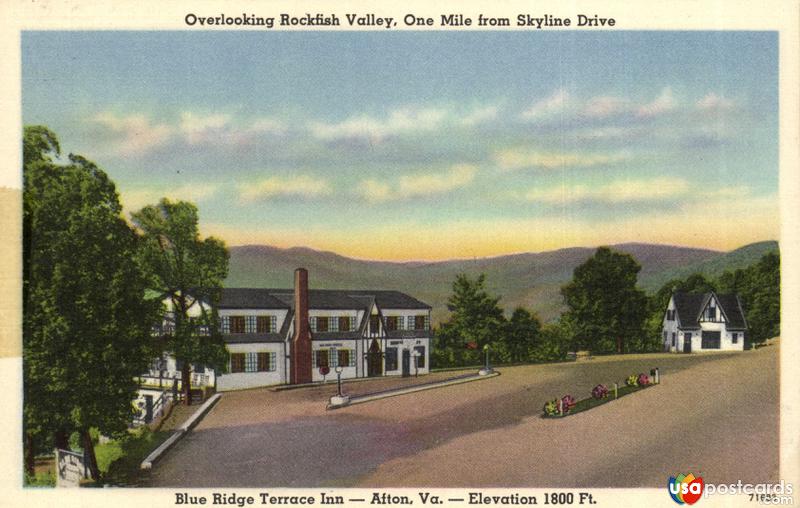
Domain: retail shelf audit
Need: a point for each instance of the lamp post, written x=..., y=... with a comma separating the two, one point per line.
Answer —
x=339, y=380
x=487, y=369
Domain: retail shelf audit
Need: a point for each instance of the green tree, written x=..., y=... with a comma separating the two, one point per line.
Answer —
x=759, y=289
x=476, y=319
x=86, y=322
x=188, y=271
x=604, y=305
x=554, y=342
x=522, y=335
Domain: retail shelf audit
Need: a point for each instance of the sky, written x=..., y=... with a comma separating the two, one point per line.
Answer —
x=427, y=145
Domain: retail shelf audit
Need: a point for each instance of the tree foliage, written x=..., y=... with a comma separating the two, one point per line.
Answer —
x=86, y=322
x=759, y=289
x=188, y=271
x=605, y=307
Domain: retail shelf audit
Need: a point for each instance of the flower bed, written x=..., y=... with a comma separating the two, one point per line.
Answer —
x=601, y=394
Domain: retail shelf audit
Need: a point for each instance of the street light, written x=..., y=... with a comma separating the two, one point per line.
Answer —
x=487, y=369
x=339, y=370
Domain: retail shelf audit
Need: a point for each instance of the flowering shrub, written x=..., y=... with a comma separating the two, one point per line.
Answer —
x=643, y=380
x=551, y=407
x=600, y=391
x=567, y=402
x=633, y=380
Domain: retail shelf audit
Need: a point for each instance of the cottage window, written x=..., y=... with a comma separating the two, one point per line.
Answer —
x=344, y=324
x=392, y=322
x=237, y=324
x=251, y=362
x=674, y=340
x=322, y=324
x=735, y=337
x=421, y=322
x=322, y=358
x=237, y=362
x=712, y=313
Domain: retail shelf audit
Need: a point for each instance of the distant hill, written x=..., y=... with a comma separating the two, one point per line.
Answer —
x=531, y=280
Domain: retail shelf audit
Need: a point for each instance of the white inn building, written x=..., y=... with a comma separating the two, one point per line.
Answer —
x=292, y=336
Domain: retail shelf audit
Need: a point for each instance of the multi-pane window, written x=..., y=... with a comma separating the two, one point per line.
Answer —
x=420, y=322
x=735, y=338
x=322, y=324
x=251, y=362
x=236, y=324
x=265, y=362
x=343, y=357
x=391, y=358
x=711, y=313
x=237, y=362
x=374, y=324
x=670, y=314
x=392, y=322
x=421, y=357
x=322, y=358
x=344, y=324
x=266, y=324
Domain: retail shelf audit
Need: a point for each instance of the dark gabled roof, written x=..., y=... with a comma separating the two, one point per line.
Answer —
x=389, y=299
x=689, y=306
x=246, y=338
x=249, y=298
x=321, y=299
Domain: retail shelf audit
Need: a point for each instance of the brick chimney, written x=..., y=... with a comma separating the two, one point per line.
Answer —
x=301, y=341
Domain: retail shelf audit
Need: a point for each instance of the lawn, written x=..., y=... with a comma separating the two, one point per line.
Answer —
x=119, y=460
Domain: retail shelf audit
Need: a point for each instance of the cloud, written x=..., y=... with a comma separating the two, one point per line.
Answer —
x=549, y=106
x=604, y=106
x=514, y=159
x=136, y=199
x=133, y=134
x=417, y=185
x=479, y=115
x=376, y=130
x=714, y=103
x=220, y=129
x=664, y=103
x=621, y=191
x=300, y=186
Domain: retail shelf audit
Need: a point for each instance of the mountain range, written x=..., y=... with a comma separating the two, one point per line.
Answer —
x=530, y=280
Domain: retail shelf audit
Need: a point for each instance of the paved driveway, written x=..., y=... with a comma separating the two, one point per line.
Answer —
x=714, y=414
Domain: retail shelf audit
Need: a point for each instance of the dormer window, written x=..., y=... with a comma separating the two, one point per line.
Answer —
x=711, y=313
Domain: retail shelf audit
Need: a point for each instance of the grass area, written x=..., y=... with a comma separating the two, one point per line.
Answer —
x=589, y=403
x=41, y=479
x=119, y=460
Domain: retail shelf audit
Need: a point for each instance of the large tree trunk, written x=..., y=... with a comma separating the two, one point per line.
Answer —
x=30, y=454
x=186, y=383
x=61, y=440
x=88, y=452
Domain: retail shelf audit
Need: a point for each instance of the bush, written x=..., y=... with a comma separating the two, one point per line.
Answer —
x=643, y=380
x=633, y=380
x=567, y=403
x=551, y=408
x=600, y=391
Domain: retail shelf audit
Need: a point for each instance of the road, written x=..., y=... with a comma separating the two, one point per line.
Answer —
x=714, y=415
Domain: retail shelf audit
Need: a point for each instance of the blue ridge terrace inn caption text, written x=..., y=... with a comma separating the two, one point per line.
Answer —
x=409, y=20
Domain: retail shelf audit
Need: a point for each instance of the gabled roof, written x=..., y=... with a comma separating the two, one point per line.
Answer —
x=689, y=308
x=319, y=299
x=249, y=298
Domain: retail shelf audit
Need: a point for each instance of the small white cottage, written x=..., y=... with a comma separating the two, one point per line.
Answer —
x=703, y=322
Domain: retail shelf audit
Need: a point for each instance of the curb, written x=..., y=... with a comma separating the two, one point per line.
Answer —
x=411, y=389
x=184, y=429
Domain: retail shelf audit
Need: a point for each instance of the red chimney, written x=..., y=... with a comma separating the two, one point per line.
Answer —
x=301, y=341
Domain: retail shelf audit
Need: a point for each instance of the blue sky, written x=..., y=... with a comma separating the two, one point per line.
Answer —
x=427, y=145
